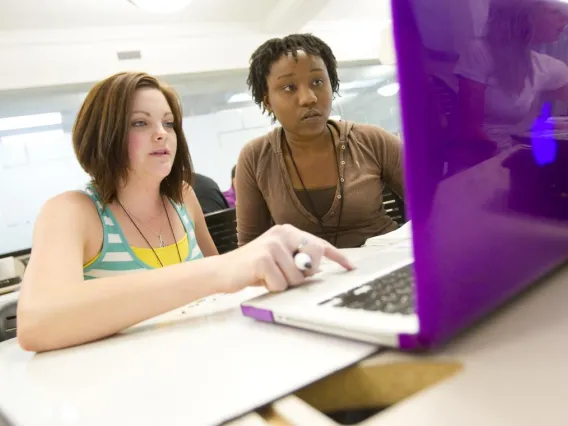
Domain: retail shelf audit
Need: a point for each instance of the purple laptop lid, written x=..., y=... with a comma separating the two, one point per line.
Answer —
x=487, y=192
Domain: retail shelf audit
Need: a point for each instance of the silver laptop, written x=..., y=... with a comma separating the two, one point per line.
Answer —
x=480, y=233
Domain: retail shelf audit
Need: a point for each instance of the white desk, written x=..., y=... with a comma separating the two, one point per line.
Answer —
x=197, y=371
x=515, y=372
x=200, y=367
x=515, y=368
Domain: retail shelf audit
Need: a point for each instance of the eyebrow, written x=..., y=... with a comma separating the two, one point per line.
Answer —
x=293, y=74
x=148, y=114
x=285, y=76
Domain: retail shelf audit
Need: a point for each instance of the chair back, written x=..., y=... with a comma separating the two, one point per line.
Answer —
x=222, y=226
x=8, y=320
x=394, y=206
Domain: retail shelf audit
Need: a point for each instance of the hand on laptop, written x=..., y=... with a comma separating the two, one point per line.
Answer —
x=269, y=260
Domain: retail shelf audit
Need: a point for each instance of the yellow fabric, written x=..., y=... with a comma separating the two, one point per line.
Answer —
x=168, y=255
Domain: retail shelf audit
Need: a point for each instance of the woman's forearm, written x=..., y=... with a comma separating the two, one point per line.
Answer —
x=73, y=313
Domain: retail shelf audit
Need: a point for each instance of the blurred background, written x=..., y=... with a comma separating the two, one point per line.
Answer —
x=53, y=51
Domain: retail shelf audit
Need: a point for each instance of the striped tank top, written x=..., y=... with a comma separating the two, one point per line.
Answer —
x=117, y=257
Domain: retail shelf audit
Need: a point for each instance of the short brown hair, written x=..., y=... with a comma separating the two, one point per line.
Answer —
x=100, y=135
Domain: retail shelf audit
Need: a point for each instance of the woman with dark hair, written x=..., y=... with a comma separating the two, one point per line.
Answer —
x=230, y=194
x=323, y=176
x=131, y=245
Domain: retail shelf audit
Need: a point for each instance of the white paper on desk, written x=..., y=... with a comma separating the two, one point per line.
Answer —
x=176, y=369
x=396, y=237
x=10, y=268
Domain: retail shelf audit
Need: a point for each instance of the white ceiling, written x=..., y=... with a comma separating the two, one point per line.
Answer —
x=356, y=10
x=69, y=14
x=42, y=16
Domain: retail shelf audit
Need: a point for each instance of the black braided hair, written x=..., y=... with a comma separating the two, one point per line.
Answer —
x=272, y=50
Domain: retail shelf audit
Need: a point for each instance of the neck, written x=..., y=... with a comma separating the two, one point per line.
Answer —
x=313, y=143
x=141, y=197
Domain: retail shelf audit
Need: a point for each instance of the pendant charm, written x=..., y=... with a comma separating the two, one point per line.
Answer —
x=162, y=243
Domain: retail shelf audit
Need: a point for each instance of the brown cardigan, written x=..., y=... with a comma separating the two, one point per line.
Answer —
x=368, y=157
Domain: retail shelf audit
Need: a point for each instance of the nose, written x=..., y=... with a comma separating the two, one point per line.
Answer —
x=307, y=97
x=160, y=133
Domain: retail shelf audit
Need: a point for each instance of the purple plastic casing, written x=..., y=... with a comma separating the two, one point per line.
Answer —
x=257, y=313
x=484, y=233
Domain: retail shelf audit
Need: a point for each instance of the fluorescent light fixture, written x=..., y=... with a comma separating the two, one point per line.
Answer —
x=161, y=6
x=389, y=89
x=344, y=97
x=48, y=135
x=240, y=97
x=359, y=84
x=30, y=121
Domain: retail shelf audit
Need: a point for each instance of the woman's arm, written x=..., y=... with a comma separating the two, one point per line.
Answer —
x=57, y=308
x=388, y=149
x=253, y=216
x=555, y=78
x=202, y=234
x=560, y=94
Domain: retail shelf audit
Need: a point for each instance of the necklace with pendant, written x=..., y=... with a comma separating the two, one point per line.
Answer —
x=159, y=235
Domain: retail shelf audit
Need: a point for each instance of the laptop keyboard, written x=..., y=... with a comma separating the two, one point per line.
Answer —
x=391, y=294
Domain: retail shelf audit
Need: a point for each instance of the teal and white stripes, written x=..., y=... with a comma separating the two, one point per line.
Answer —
x=116, y=256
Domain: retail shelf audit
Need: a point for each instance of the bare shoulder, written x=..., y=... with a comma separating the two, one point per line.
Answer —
x=74, y=202
x=74, y=208
x=67, y=225
x=190, y=201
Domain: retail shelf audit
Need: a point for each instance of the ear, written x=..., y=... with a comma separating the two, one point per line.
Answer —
x=266, y=103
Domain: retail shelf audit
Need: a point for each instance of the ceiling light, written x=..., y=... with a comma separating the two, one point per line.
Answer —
x=360, y=84
x=29, y=121
x=389, y=89
x=240, y=97
x=161, y=6
x=344, y=97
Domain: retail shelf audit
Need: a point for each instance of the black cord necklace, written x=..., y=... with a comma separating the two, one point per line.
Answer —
x=147, y=242
x=312, y=205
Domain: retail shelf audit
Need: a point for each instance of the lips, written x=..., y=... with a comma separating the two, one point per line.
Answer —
x=160, y=152
x=310, y=114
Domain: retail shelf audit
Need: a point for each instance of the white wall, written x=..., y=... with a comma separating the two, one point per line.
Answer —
x=35, y=167
x=216, y=139
x=32, y=168
x=62, y=57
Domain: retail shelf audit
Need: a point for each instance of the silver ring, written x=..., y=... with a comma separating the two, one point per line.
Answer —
x=303, y=243
x=303, y=261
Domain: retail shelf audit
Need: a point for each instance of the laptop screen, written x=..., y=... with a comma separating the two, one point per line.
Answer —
x=484, y=95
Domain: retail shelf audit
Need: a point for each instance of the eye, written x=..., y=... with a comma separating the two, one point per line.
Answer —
x=169, y=124
x=318, y=82
x=138, y=123
x=289, y=88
